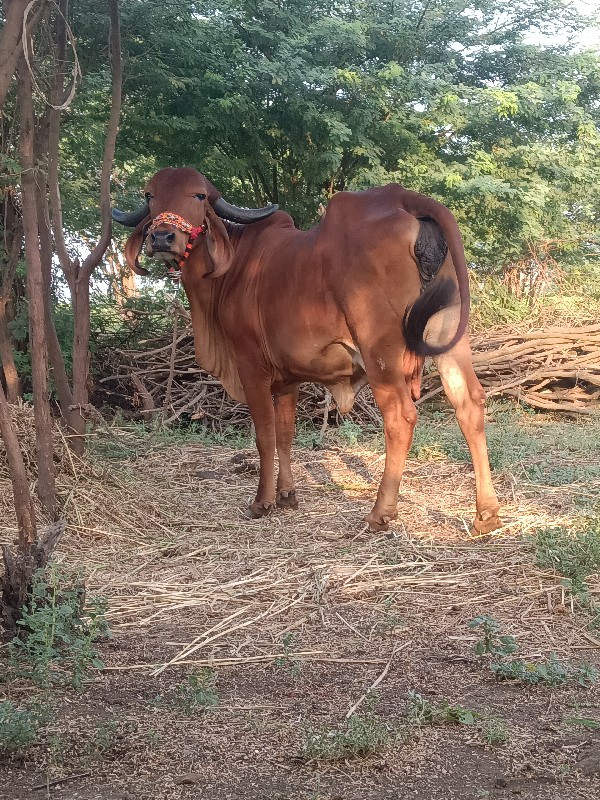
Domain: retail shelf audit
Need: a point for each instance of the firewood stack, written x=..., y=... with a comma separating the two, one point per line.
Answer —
x=555, y=369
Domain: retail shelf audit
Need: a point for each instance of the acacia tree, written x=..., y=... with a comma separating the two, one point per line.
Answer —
x=34, y=552
x=73, y=396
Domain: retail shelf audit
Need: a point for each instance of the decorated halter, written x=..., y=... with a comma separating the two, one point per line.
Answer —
x=169, y=218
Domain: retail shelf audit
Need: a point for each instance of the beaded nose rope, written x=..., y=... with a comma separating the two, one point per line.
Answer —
x=169, y=218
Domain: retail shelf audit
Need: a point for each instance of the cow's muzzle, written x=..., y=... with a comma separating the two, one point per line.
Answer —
x=161, y=241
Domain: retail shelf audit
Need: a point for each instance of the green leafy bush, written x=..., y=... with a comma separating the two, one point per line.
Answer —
x=358, y=737
x=492, y=642
x=18, y=726
x=574, y=554
x=549, y=673
x=56, y=642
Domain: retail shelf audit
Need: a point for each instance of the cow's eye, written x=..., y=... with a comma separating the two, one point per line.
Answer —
x=201, y=196
x=148, y=196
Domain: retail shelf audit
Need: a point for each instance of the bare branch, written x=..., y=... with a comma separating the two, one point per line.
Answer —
x=94, y=258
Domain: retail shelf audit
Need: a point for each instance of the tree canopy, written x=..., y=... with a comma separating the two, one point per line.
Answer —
x=289, y=101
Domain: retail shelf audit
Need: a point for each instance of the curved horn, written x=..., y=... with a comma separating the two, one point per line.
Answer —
x=130, y=218
x=243, y=215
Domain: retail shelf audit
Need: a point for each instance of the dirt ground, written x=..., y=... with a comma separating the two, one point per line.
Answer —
x=298, y=615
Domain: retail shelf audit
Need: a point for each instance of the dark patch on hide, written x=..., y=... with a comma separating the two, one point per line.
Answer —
x=430, y=249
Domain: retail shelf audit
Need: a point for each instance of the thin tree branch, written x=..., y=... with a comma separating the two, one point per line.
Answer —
x=94, y=258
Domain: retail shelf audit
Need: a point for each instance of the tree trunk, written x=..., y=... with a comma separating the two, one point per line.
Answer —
x=9, y=368
x=35, y=292
x=80, y=299
x=10, y=43
x=23, y=504
x=61, y=379
x=13, y=239
x=15, y=585
x=78, y=276
x=11, y=47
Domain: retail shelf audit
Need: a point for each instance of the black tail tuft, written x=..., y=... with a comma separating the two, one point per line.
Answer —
x=437, y=296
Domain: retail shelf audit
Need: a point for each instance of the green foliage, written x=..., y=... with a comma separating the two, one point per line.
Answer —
x=574, y=554
x=109, y=740
x=421, y=712
x=548, y=452
x=18, y=726
x=584, y=722
x=287, y=662
x=358, y=737
x=349, y=433
x=291, y=101
x=197, y=693
x=491, y=642
x=495, y=731
x=56, y=645
x=391, y=620
x=549, y=673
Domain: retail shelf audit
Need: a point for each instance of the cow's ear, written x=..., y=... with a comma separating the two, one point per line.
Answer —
x=133, y=247
x=219, y=247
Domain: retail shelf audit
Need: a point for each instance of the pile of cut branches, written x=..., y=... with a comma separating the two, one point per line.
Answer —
x=556, y=369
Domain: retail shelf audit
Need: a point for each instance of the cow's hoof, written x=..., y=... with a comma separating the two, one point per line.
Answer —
x=258, y=510
x=287, y=499
x=379, y=522
x=485, y=522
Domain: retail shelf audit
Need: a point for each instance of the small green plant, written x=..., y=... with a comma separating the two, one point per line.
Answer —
x=391, y=621
x=287, y=661
x=360, y=736
x=349, y=432
x=548, y=673
x=56, y=642
x=198, y=693
x=492, y=643
x=574, y=554
x=585, y=722
x=421, y=712
x=110, y=740
x=495, y=730
x=18, y=726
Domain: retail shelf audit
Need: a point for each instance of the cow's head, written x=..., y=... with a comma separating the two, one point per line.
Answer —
x=183, y=212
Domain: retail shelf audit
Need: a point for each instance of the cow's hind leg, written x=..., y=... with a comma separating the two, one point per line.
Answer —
x=285, y=426
x=468, y=398
x=399, y=420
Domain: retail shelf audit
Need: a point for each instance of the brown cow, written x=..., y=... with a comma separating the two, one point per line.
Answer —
x=343, y=304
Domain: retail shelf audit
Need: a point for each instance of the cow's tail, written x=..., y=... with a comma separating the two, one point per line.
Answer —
x=440, y=293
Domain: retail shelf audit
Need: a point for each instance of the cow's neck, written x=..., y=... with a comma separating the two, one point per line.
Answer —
x=213, y=349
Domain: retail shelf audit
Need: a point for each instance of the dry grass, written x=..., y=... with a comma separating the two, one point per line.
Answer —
x=158, y=540
x=192, y=583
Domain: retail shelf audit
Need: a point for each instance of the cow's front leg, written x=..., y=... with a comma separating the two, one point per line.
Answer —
x=260, y=403
x=285, y=427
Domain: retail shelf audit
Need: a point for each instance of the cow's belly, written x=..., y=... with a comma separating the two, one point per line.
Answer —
x=338, y=366
x=317, y=364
